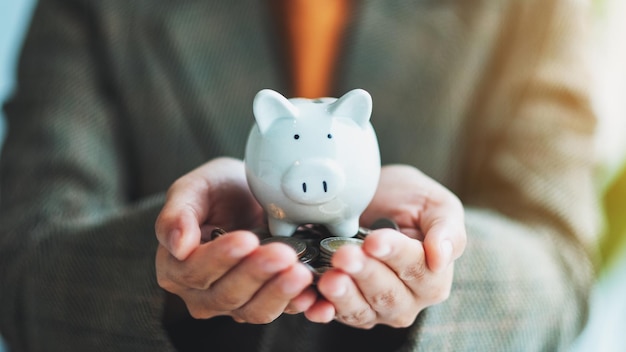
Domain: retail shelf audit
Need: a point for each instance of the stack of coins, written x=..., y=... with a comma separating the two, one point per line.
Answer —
x=330, y=245
x=363, y=232
x=314, y=244
x=298, y=246
x=307, y=253
x=311, y=234
x=310, y=255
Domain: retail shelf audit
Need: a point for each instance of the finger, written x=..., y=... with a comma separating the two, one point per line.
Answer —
x=322, y=311
x=273, y=298
x=178, y=224
x=236, y=287
x=303, y=302
x=445, y=236
x=380, y=286
x=217, y=189
x=164, y=277
x=403, y=255
x=344, y=294
x=435, y=211
x=208, y=263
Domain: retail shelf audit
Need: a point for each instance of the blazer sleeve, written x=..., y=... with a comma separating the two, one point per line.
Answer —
x=531, y=208
x=76, y=249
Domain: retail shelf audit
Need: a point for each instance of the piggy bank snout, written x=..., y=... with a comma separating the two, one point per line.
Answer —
x=313, y=181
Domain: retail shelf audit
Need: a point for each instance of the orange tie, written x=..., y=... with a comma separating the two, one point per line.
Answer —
x=313, y=32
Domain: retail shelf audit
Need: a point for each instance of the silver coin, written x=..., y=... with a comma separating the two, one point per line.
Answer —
x=362, y=233
x=297, y=245
x=217, y=232
x=323, y=261
x=310, y=254
x=323, y=268
x=325, y=253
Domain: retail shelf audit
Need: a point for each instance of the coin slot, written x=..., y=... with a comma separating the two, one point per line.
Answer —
x=304, y=187
x=325, y=186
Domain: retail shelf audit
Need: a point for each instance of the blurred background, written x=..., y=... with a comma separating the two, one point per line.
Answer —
x=605, y=331
x=14, y=18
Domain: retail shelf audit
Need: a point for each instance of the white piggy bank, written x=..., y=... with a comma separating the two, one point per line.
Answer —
x=313, y=161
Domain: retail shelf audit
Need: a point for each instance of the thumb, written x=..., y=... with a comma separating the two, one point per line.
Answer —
x=178, y=231
x=444, y=242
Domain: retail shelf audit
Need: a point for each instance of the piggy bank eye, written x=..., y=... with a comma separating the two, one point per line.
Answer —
x=296, y=136
x=330, y=136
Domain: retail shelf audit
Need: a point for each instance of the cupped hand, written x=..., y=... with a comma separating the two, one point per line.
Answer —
x=232, y=275
x=396, y=274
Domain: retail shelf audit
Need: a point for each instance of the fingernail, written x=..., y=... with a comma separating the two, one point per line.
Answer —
x=340, y=291
x=353, y=267
x=272, y=265
x=382, y=251
x=174, y=239
x=289, y=288
x=237, y=252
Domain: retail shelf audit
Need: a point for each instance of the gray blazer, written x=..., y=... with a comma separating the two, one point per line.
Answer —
x=116, y=99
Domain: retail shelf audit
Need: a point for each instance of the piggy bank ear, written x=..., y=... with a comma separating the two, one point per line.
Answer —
x=356, y=105
x=268, y=106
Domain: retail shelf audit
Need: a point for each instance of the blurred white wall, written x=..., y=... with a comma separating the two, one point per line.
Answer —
x=14, y=18
x=607, y=323
x=609, y=92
